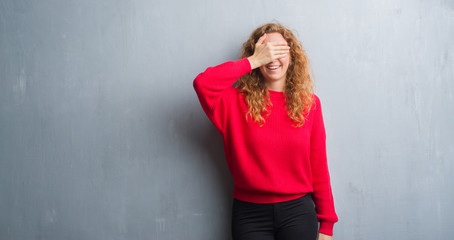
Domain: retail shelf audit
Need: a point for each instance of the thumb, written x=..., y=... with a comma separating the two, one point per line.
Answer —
x=261, y=39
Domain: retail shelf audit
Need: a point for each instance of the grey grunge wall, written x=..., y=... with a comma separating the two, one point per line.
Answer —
x=102, y=135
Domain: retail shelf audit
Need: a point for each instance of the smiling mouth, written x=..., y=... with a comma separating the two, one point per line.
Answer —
x=273, y=68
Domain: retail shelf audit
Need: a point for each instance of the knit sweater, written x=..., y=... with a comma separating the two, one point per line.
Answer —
x=273, y=163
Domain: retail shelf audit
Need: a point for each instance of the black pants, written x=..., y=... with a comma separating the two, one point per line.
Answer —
x=288, y=220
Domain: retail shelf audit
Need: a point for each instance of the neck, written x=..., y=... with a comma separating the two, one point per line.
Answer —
x=276, y=85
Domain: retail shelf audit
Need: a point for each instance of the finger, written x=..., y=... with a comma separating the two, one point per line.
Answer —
x=281, y=51
x=261, y=39
x=278, y=43
x=280, y=47
x=281, y=55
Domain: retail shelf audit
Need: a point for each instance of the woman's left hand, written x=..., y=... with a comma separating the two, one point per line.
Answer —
x=322, y=236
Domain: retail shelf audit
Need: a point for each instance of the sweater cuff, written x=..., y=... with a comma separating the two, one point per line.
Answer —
x=326, y=228
x=245, y=66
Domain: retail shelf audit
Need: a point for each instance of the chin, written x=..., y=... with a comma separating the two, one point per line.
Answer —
x=273, y=78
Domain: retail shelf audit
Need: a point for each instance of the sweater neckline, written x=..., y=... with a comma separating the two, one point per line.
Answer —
x=276, y=95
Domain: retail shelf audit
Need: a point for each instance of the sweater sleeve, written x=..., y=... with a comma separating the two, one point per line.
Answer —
x=211, y=84
x=323, y=197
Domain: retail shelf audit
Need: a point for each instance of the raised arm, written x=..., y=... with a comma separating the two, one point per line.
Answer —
x=211, y=84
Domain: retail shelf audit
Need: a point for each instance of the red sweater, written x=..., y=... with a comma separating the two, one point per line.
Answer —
x=275, y=162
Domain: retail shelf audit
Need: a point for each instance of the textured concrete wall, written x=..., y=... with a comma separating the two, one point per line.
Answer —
x=102, y=135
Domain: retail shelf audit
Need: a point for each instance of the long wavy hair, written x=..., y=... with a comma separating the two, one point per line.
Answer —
x=298, y=89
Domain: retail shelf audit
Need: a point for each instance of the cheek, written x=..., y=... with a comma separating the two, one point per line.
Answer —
x=285, y=62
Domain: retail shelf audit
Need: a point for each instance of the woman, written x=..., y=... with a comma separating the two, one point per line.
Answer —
x=274, y=138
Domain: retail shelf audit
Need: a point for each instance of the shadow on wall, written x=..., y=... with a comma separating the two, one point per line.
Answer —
x=204, y=139
x=192, y=129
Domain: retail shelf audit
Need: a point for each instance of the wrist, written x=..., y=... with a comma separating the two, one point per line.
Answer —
x=326, y=228
x=253, y=62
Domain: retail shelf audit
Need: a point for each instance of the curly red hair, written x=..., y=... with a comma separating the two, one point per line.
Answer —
x=298, y=87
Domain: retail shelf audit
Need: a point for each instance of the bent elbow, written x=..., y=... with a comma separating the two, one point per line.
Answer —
x=197, y=82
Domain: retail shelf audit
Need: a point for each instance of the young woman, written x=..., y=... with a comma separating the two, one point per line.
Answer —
x=274, y=138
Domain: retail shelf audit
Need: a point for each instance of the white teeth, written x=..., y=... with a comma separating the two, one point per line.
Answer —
x=273, y=68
